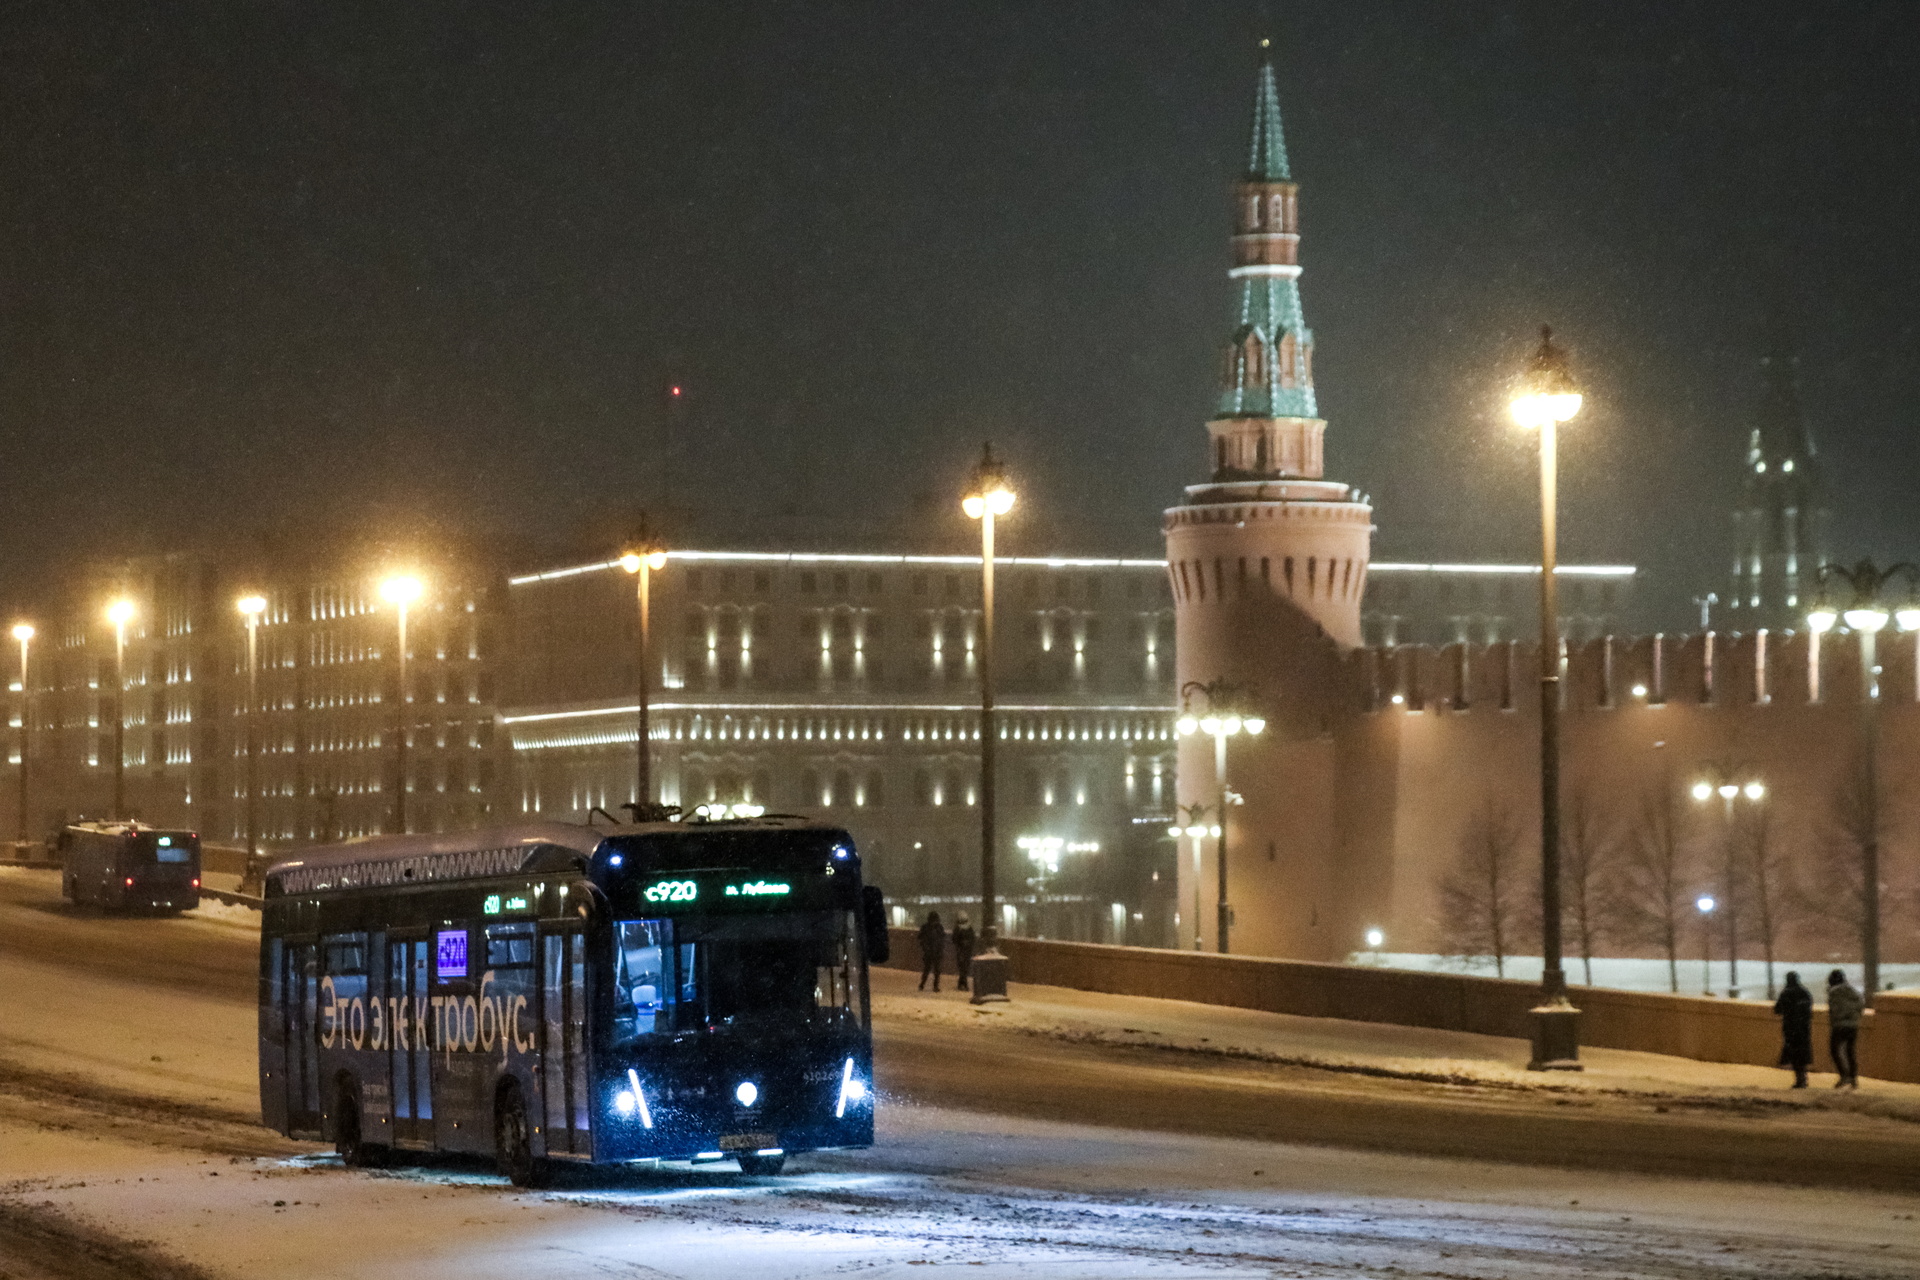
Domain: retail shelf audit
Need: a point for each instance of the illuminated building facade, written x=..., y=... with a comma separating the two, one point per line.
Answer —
x=325, y=722
x=845, y=686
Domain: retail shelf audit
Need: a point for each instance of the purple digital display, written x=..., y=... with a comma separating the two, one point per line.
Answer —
x=450, y=953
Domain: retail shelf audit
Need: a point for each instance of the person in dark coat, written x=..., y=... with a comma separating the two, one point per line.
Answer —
x=933, y=949
x=1845, y=1006
x=963, y=942
x=1795, y=1011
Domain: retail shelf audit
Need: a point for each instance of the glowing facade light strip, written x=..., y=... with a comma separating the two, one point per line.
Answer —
x=1531, y=570
x=640, y=1096
x=825, y=708
x=864, y=558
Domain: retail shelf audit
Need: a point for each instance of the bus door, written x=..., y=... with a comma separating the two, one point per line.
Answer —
x=410, y=1053
x=301, y=982
x=563, y=1041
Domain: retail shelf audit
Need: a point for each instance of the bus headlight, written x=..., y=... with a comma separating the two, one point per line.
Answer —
x=624, y=1103
x=852, y=1089
x=747, y=1094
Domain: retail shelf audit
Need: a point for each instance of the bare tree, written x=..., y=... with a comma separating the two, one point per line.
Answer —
x=1483, y=896
x=1837, y=890
x=1769, y=888
x=1588, y=850
x=1652, y=899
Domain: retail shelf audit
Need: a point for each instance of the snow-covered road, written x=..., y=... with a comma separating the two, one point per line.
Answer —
x=127, y=1149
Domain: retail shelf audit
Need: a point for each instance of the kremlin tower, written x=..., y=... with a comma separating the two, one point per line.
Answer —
x=1268, y=562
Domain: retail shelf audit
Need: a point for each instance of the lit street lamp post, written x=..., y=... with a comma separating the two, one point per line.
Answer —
x=642, y=563
x=1196, y=830
x=120, y=613
x=1866, y=617
x=990, y=497
x=1723, y=785
x=1705, y=904
x=1546, y=397
x=23, y=632
x=251, y=607
x=401, y=592
x=1222, y=721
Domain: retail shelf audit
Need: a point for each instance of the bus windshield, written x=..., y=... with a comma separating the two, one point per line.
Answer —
x=792, y=972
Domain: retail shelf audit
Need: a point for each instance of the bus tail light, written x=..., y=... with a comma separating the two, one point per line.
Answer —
x=129, y=882
x=196, y=882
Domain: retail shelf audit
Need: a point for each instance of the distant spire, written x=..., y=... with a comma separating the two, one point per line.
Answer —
x=1267, y=158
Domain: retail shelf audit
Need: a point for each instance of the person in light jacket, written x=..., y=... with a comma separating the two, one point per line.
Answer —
x=963, y=944
x=933, y=949
x=1795, y=1010
x=1844, y=1007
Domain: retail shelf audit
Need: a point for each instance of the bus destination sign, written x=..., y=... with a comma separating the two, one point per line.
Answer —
x=717, y=891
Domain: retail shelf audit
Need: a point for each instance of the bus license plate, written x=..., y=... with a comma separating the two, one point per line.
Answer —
x=748, y=1141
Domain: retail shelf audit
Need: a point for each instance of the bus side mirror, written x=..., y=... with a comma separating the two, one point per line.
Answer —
x=587, y=903
x=873, y=916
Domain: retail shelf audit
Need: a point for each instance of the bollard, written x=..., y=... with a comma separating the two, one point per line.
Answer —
x=989, y=976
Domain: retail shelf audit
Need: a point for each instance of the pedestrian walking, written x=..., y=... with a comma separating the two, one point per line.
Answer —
x=1795, y=1011
x=1844, y=1007
x=963, y=941
x=933, y=949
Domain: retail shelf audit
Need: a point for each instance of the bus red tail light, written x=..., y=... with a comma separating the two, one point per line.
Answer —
x=129, y=882
x=196, y=882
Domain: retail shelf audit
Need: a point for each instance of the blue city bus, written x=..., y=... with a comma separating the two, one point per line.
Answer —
x=551, y=992
x=129, y=866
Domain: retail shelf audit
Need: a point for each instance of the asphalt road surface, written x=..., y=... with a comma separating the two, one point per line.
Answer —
x=1002, y=1153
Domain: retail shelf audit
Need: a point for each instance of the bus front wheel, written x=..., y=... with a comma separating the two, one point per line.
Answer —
x=762, y=1166
x=348, y=1140
x=513, y=1141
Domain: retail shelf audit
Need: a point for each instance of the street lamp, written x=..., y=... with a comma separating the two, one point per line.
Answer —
x=251, y=607
x=1720, y=782
x=1545, y=397
x=990, y=496
x=120, y=613
x=1226, y=717
x=1867, y=614
x=1705, y=905
x=1196, y=830
x=402, y=591
x=23, y=632
x=642, y=563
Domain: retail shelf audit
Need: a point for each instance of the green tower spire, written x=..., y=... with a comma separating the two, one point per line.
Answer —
x=1267, y=161
x=1269, y=361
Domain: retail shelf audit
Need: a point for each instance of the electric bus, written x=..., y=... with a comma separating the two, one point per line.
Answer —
x=557, y=993
x=126, y=866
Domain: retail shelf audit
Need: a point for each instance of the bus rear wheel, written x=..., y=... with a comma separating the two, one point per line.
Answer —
x=762, y=1166
x=513, y=1141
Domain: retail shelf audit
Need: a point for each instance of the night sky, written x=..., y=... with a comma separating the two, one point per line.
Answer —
x=303, y=268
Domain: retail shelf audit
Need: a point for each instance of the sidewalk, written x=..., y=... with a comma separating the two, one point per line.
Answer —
x=1227, y=1034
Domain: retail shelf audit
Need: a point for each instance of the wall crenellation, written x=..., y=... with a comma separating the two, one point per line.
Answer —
x=1760, y=668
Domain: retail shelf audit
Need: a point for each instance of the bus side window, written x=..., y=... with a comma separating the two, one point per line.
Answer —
x=510, y=946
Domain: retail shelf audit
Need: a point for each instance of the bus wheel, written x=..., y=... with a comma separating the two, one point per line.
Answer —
x=354, y=1150
x=762, y=1166
x=513, y=1141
